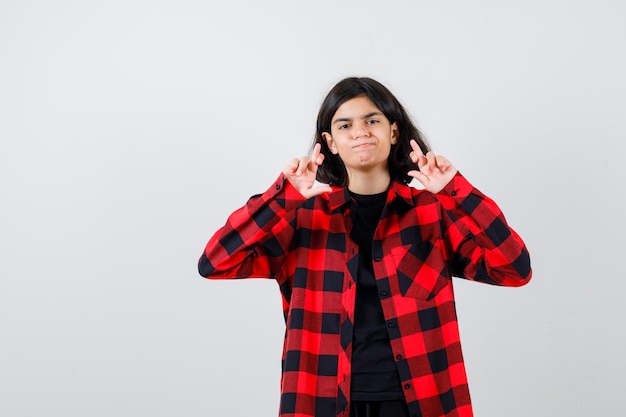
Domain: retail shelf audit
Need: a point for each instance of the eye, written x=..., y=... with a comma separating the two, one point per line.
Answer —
x=344, y=126
x=372, y=122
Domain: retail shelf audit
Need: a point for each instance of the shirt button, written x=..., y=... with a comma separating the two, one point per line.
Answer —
x=453, y=193
x=399, y=357
x=278, y=186
x=377, y=259
x=391, y=324
x=384, y=293
x=407, y=386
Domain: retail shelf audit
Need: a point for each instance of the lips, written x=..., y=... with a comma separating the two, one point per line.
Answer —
x=363, y=145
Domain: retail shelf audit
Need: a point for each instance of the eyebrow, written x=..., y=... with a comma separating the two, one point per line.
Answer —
x=367, y=116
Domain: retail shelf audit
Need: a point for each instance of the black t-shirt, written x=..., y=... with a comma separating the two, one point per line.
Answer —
x=374, y=372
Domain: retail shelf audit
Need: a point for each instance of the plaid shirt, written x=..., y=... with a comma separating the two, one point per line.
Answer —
x=421, y=241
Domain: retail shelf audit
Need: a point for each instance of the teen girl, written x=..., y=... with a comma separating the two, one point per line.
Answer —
x=364, y=264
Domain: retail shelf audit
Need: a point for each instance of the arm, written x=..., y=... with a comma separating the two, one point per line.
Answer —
x=252, y=236
x=256, y=236
x=483, y=246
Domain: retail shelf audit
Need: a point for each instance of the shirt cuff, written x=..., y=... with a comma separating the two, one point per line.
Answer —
x=285, y=193
x=455, y=191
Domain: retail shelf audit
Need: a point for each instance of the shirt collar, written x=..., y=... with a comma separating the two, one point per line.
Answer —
x=340, y=196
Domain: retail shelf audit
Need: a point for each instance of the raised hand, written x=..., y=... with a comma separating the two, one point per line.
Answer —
x=301, y=173
x=435, y=171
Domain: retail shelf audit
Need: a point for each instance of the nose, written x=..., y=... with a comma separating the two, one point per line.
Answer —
x=360, y=130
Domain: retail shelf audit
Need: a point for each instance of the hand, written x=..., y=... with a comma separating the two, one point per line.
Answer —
x=435, y=171
x=301, y=173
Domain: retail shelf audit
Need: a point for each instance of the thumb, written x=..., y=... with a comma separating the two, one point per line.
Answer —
x=418, y=175
x=315, y=191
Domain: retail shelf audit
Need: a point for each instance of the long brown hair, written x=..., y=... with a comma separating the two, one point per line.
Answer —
x=333, y=171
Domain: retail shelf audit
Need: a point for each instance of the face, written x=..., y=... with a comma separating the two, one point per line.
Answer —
x=361, y=135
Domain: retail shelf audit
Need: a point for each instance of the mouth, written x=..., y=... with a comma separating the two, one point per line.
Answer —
x=363, y=145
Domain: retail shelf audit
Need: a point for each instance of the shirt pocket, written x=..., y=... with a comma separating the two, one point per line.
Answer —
x=420, y=269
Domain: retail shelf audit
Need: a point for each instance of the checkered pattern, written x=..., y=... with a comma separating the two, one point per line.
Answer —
x=420, y=243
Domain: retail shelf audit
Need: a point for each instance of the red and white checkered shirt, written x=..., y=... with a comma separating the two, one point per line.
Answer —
x=421, y=241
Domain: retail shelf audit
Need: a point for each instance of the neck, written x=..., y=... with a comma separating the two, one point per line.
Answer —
x=367, y=183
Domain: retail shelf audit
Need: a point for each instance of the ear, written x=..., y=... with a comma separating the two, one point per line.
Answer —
x=330, y=142
x=395, y=132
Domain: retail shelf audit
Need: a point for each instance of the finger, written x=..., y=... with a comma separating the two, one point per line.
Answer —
x=419, y=160
x=417, y=156
x=416, y=148
x=432, y=160
x=443, y=163
x=303, y=164
x=292, y=166
x=315, y=163
x=316, y=151
x=315, y=191
x=317, y=157
x=422, y=161
x=417, y=152
x=418, y=175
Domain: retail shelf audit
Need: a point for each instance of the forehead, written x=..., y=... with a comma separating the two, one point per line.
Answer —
x=356, y=107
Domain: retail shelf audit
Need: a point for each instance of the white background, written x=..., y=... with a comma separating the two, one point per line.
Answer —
x=129, y=130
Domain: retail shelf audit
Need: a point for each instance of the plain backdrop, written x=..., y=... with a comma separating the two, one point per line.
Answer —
x=129, y=130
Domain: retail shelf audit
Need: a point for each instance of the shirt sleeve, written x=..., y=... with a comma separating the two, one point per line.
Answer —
x=484, y=247
x=255, y=237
